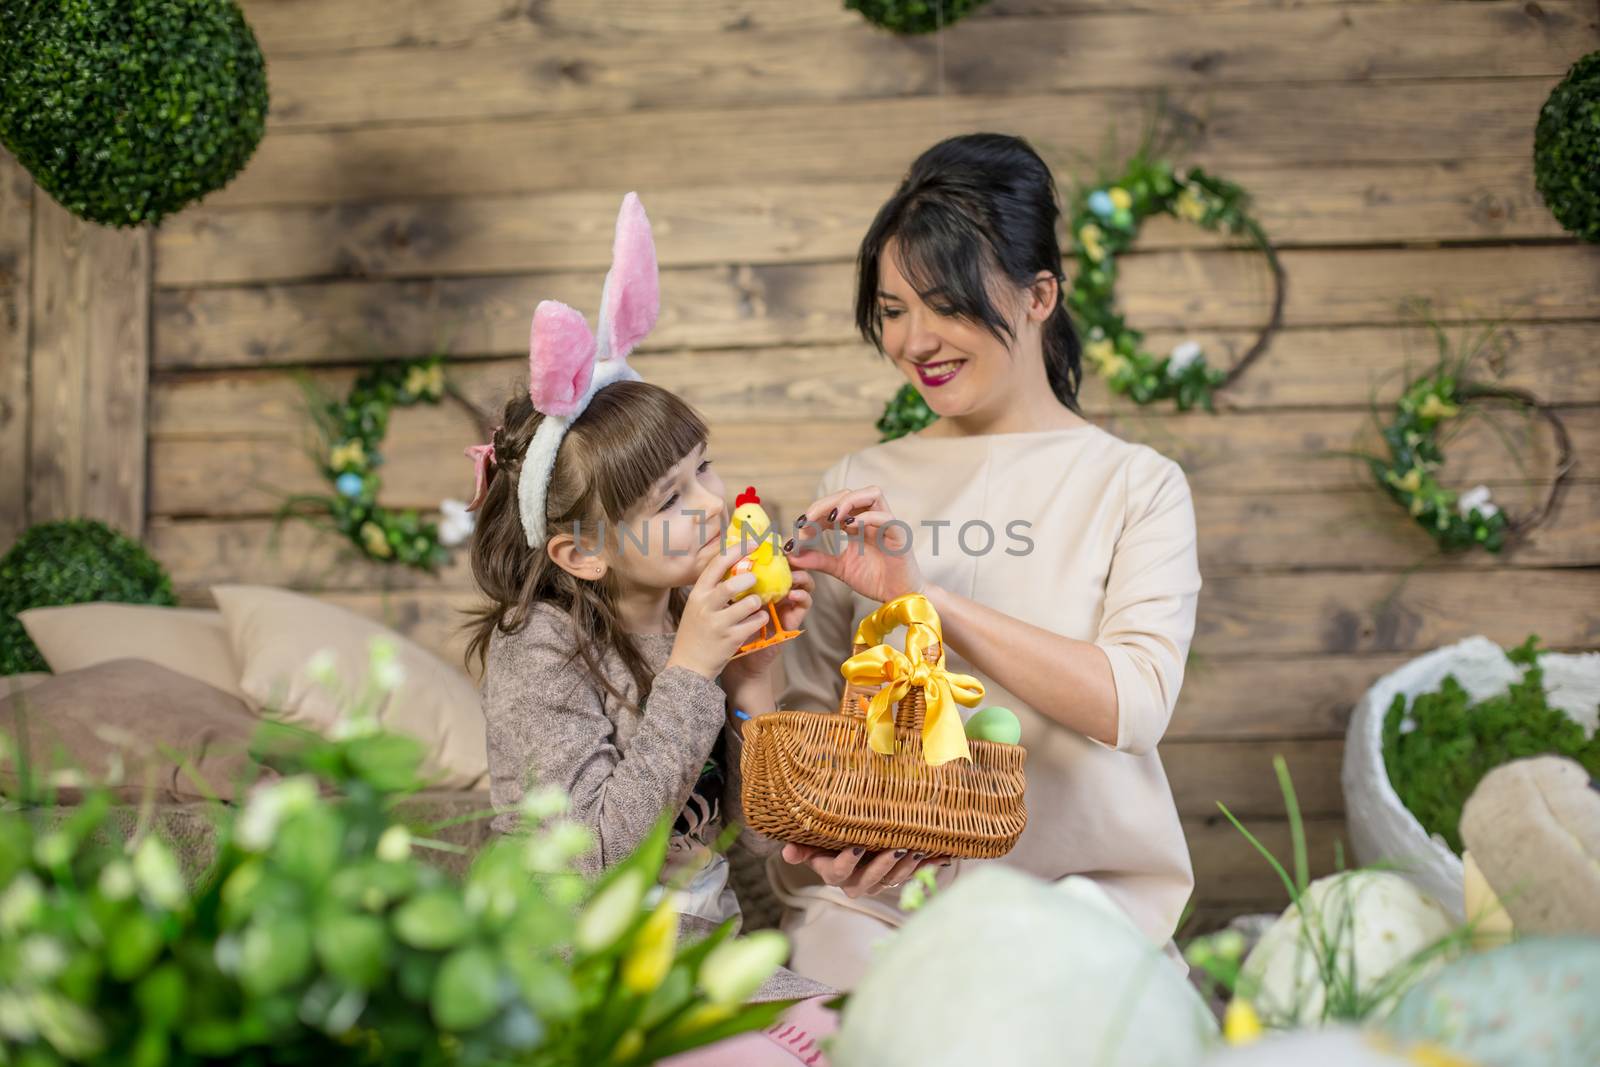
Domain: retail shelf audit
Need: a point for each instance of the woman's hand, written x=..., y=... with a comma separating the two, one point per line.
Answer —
x=858, y=872
x=714, y=624
x=791, y=613
x=876, y=559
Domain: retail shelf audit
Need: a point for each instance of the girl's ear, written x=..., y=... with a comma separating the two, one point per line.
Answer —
x=561, y=353
x=632, y=296
x=567, y=554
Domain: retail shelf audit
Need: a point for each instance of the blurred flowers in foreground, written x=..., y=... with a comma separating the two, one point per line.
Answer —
x=318, y=933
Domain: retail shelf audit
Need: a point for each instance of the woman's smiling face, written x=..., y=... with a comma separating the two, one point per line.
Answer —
x=955, y=363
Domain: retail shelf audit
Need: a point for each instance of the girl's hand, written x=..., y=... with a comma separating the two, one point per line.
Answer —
x=714, y=624
x=875, y=561
x=792, y=611
x=859, y=872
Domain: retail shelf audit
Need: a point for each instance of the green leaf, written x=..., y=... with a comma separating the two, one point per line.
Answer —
x=275, y=954
x=466, y=991
x=354, y=948
x=433, y=920
x=135, y=942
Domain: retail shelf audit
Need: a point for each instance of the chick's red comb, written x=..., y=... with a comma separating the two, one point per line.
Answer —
x=747, y=497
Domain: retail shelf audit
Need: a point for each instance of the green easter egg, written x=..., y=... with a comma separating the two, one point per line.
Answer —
x=995, y=724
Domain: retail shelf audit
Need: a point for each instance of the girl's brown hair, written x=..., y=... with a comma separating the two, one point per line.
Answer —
x=629, y=437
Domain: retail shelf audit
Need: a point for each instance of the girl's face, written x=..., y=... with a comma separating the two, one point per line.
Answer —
x=957, y=365
x=669, y=535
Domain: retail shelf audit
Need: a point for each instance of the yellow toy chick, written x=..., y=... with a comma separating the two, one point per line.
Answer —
x=751, y=524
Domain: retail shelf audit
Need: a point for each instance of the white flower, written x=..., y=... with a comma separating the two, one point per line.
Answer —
x=384, y=657
x=268, y=806
x=395, y=844
x=456, y=523
x=1477, y=499
x=116, y=881
x=323, y=669
x=544, y=803
x=155, y=870
x=1182, y=356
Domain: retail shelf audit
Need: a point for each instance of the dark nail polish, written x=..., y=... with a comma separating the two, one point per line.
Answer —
x=900, y=853
x=946, y=863
x=799, y=522
x=858, y=850
x=919, y=855
x=834, y=514
x=788, y=546
x=849, y=520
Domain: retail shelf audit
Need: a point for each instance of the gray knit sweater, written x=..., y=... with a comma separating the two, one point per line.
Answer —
x=550, y=723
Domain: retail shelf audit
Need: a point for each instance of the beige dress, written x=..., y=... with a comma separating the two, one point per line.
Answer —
x=1093, y=538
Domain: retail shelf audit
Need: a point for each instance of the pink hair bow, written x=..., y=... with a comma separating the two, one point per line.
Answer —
x=481, y=456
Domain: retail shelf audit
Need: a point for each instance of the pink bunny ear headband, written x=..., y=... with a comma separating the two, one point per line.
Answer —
x=568, y=365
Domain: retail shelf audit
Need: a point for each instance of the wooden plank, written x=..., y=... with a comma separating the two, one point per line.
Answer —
x=16, y=274
x=1240, y=775
x=220, y=440
x=775, y=223
x=1329, y=531
x=521, y=71
x=287, y=27
x=809, y=303
x=91, y=307
x=1232, y=127
x=1228, y=870
x=1301, y=614
x=1266, y=615
x=1359, y=529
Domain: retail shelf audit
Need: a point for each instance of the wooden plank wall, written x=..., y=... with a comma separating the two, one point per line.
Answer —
x=433, y=170
x=74, y=363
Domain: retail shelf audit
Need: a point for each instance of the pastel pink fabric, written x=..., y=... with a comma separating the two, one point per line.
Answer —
x=481, y=456
x=632, y=295
x=795, y=1039
x=561, y=353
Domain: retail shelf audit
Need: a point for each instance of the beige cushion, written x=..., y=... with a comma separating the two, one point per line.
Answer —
x=16, y=683
x=130, y=723
x=185, y=640
x=274, y=633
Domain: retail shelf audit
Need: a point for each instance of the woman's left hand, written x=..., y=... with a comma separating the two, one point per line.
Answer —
x=876, y=559
x=791, y=613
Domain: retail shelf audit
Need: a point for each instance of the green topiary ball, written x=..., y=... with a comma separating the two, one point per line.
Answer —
x=914, y=16
x=72, y=562
x=1566, y=150
x=126, y=110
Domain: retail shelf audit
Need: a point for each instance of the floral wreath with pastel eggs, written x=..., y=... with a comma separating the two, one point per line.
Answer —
x=568, y=364
x=352, y=430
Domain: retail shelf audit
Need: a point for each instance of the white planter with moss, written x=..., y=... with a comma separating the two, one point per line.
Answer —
x=1382, y=830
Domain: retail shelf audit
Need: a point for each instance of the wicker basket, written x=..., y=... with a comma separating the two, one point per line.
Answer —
x=811, y=777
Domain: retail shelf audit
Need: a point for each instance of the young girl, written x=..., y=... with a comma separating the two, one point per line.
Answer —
x=599, y=546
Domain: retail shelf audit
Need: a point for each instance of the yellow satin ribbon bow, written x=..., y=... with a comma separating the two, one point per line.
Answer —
x=943, y=738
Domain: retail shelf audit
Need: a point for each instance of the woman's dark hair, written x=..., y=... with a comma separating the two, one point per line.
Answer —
x=972, y=208
x=627, y=439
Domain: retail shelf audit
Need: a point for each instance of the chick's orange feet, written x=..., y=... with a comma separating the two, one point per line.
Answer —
x=767, y=636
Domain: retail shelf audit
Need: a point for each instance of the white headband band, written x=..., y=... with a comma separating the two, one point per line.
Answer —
x=534, y=481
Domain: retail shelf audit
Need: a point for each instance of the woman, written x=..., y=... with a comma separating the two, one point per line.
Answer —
x=1061, y=559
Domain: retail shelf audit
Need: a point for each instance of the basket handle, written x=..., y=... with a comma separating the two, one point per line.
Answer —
x=912, y=609
x=919, y=674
